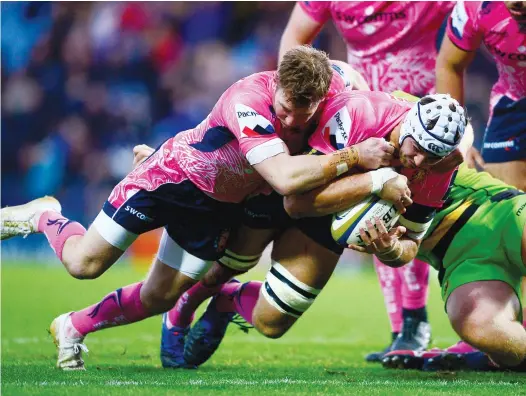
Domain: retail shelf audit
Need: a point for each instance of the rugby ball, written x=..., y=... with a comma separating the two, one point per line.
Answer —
x=346, y=225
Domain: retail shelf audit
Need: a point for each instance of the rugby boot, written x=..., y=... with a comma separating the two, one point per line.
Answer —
x=22, y=220
x=207, y=333
x=415, y=336
x=434, y=363
x=172, y=346
x=409, y=359
x=69, y=344
x=376, y=357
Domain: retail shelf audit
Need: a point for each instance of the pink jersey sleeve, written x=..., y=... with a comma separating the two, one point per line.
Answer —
x=318, y=10
x=246, y=110
x=463, y=27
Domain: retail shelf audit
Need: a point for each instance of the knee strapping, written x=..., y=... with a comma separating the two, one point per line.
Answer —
x=286, y=293
x=238, y=262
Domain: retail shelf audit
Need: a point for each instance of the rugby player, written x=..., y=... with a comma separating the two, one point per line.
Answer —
x=501, y=26
x=305, y=255
x=193, y=186
x=394, y=45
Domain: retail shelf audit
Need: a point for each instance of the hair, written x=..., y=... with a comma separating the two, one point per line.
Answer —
x=305, y=75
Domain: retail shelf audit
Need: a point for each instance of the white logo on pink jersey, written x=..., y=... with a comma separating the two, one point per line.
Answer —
x=251, y=123
x=338, y=128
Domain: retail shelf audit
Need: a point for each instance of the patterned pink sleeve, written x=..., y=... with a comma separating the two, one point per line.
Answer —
x=246, y=111
x=318, y=10
x=463, y=28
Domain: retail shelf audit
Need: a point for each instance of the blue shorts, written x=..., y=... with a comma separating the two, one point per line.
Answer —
x=505, y=137
x=199, y=224
x=267, y=212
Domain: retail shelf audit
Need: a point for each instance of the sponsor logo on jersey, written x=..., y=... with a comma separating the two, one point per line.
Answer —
x=459, y=18
x=251, y=123
x=338, y=128
x=376, y=17
x=138, y=214
x=519, y=211
x=500, y=145
x=506, y=55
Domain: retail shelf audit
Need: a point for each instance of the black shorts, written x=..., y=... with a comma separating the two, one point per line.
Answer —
x=505, y=137
x=267, y=212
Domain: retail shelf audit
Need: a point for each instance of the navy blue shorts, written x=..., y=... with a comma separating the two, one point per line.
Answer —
x=267, y=212
x=199, y=224
x=505, y=137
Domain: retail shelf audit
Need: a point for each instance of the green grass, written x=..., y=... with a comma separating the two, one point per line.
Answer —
x=322, y=354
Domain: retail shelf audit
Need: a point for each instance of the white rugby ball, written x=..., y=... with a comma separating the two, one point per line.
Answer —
x=346, y=225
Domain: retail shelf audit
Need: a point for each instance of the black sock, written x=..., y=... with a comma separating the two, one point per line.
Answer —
x=418, y=314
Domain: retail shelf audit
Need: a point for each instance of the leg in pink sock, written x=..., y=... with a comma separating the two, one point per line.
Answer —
x=58, y=230
x=391, y=286
x=415, y=282
x=120, y=307
x=239, y=298
x=182, y=314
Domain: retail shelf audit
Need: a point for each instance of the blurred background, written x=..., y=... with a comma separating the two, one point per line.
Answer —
x=82, y=83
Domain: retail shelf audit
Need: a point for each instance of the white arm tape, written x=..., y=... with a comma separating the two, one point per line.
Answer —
x=381, y=176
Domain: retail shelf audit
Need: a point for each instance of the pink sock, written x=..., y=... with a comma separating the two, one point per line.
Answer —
x=183, y=313
x=390, y=284
x=58, y=230
x=415, y=282
x=120, y=307
x=240, y=298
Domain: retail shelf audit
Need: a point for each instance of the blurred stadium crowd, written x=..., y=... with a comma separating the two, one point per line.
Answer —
x=82, y=83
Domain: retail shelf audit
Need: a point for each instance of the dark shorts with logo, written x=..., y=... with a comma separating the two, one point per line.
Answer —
x=196, y=222
x=505, y=137
x=267, y=212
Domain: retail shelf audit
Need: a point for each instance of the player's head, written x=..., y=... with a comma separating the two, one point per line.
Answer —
x=517, y=10
x=303, y=80
x=431, y=130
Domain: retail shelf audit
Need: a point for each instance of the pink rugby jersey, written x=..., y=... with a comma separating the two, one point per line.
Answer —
x=490, y=22
x=391, y=43
x=352, y=117
x=217, y=156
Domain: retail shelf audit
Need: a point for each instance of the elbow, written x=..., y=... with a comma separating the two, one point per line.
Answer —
x=285, y=186
x=292, y=207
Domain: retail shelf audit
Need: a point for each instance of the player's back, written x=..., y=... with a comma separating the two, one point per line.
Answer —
x=392, y=44
x=242, y=129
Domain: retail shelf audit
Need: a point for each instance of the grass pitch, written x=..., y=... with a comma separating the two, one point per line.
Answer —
x=322, y=354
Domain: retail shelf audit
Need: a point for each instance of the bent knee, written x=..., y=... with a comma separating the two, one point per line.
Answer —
x=86, y=268
x=270, y=330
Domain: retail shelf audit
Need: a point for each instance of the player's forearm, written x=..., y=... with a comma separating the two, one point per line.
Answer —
x=405, y=251
x=301, y=29
x=290, y=175
x=450, y=79
x=334, y=197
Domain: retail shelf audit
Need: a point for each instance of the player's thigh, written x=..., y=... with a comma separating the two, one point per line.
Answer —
x=513, y=172
x=172, y=273
x=243, y=252
x=475, y=305
x=91, y=255
x=300, y=269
